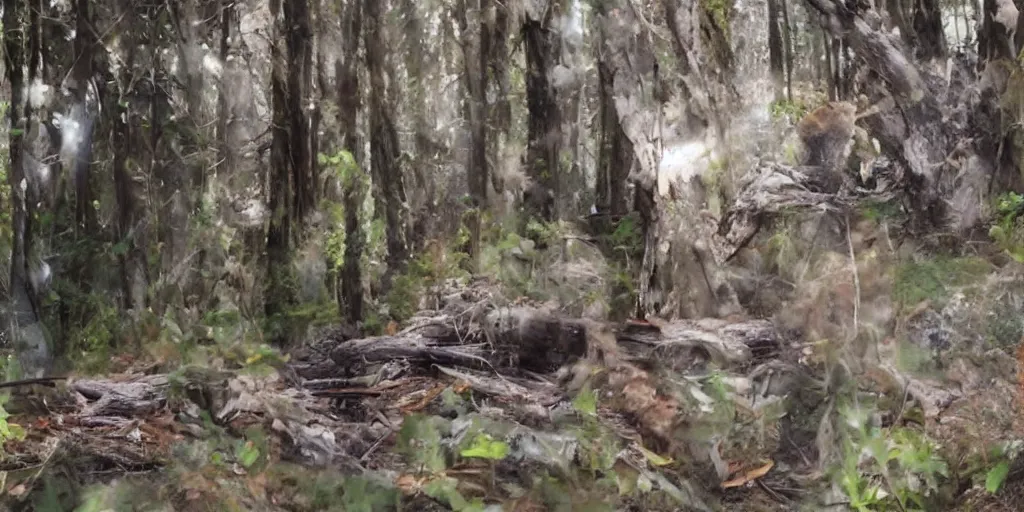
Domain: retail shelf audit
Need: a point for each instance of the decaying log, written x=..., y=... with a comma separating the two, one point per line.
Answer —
x=530, y=339
x=416, y=347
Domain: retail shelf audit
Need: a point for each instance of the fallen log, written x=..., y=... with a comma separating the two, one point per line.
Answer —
x=531, y=339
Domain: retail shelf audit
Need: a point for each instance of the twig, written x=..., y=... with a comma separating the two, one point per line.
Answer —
x=45, y=381
x=375, y=445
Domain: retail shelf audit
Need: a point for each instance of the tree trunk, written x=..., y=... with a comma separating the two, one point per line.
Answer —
x=225, y=153
x=384, y=149
x=350, y=300
x=776, y=54
x=544, y=141
x=26, y=331
x=500, y=113
x=615, y=153
x=476, y=41
x=787, y=42
x=705, y=59
x=899, y=19
x=829, y=67
x=300, y=65
x=279, y=287
x=930, y=35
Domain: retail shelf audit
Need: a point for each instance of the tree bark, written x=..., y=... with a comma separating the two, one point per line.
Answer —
x=299, y=35
x=476, y=41
x=225, y=153
x=29, y=339
x=384, y=149
x=776, y=54
x=928, y=29
x=615, y=153
x=544, y=138
x=279, y=288
x=351, y=290
x=787, y=41
x=500, y=112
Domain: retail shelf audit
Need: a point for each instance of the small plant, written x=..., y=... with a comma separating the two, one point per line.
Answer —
x=791, y=111
x=1007, y=230
x=8, y=431
x=936, y=279
x=888, y=468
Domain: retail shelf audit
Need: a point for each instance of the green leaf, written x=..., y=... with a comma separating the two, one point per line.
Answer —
x=486, y=447
x=996, y=476
x=248, y=454
x=654, y=458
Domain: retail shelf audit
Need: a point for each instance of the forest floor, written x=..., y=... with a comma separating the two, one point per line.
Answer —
x=480, y=402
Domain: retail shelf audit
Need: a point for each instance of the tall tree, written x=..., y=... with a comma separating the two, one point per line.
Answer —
x=279, y=233
x=350, y=299
x=384, y=149
x=299, y=35
x=29, y=339
x=615, y=150
x=776, y=54
x=544, y=138
x=476, y=41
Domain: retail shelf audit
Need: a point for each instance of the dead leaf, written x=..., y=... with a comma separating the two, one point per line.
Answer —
x=427, y=398
x=409, y=484
x=17, y=491
x=749, y=476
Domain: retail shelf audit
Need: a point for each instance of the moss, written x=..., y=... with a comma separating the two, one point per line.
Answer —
x=720, y=12
x=937, y=279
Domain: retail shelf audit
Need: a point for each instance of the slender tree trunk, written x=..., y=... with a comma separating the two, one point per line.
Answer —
x=500, y=121
x=787, y=42
x=384, y=149
x=476, y=42
x=830, y=64
x=225, y=153
x=279, y=287
x=776, y=57
x=615, y=153
x=300, y=65
x=350, y=300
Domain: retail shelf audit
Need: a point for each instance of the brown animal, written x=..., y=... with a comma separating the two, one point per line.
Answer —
x=827, y=133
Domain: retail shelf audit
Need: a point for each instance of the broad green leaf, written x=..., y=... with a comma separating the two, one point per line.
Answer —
x=996, y=476
x=486, y=447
